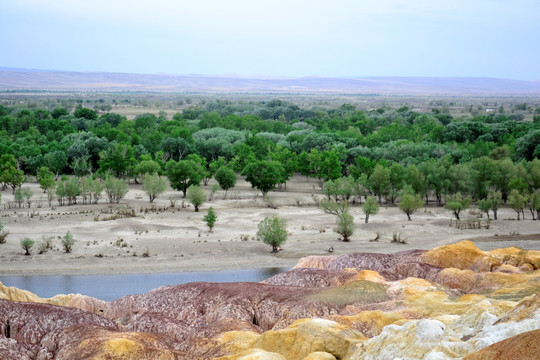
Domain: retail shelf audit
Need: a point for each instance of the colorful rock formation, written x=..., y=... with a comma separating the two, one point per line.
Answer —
x=451, y=302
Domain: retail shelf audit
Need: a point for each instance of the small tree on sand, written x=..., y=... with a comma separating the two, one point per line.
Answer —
x=345, y=226
x=67, y=242
x=517, y=202
x=344, y=220
x=410, y=202
x=457, y=203
x=494, y=200
x=226, y=178
x=196, y=196
x=370, y=207
x=273, y=231
x=154, y=185
x=115, y=189
x=483, y=206
x=27, y=244
x=210, y=218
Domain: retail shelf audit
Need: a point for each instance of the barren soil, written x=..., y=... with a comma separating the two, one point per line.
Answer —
x=177, y=239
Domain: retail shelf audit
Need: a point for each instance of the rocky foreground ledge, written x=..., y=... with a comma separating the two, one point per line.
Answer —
x=451, y=302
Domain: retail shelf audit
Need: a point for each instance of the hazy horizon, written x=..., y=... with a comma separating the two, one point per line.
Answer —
x=278, y=39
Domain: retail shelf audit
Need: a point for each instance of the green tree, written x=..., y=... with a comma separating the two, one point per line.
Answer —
x=183, y=174
x=273, y=231
x=379, y=181
x=60, y=192
x=533, y=203
x=18, y=197
x=410, y=202
x=457, y=203
x=9, y=174
x=483, y=205
x=27, y=245
x=482, y=169
x=73, y=189
x=325, y=165
x=56, y=161
x=85, y=113
x=370, y=207
x=115, y=189
x=67, y=242
x=45, y=178
x=397, y=180
x=263, y=175
x=153, y=185
x=504, y=172
x=27, y=194
x=340, y=189
x=118, y=159
x=345, y=226
x=517, y=202
x=196, y=196
x=494, y=200
x=146, y=167
x=210, y=218
x=226, y=178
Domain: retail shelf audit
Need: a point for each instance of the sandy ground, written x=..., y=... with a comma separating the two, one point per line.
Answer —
x=177, y=239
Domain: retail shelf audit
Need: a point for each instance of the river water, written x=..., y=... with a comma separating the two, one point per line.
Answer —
x=112, y=287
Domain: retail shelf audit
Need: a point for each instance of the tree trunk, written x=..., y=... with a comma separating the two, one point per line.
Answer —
x=196, y=207
x=408, y=216
x=494, y=214
x=367, y=218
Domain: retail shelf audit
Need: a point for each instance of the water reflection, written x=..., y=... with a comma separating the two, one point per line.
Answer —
x=111, y=287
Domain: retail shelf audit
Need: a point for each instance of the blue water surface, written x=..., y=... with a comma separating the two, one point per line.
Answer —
x=112, y=287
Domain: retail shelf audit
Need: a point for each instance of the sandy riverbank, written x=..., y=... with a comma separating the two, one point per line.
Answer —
x=176, y=239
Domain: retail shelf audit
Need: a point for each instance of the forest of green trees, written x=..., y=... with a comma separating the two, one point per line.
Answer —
x=350, y=152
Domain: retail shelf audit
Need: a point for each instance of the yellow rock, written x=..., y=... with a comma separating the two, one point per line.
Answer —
x=254, y=354
x=518, y=257
x=14, y=294
x=306, y=336
x=437, y=303
x=457, y=279
x=369, y=275
x=318, y=355
x=463, y=255
x=238, y=341
x=416, y=339
x=369, y=323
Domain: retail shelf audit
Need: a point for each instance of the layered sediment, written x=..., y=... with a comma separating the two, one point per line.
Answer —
x=452, y=302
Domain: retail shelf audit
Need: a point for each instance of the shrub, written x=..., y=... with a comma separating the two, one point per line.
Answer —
x=371, y=207
x=27, y=244
x=115, y=189
x=67, y=242
x=154, y=185
x=210, y=218
x=3, y=234
x=196, y=196
x=273, y=231
x=345, y=226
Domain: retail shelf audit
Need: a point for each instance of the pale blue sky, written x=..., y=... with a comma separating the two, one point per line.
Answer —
x=294, y=38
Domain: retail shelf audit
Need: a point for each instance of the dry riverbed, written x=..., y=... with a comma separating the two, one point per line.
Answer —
x=162, y=238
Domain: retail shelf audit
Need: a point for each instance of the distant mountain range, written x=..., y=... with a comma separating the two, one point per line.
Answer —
x=24, y=79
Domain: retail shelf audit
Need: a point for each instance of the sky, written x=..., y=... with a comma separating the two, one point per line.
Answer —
x=279, y=38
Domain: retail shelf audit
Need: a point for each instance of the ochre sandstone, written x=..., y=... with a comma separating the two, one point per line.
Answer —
x=452, y=302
